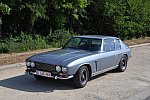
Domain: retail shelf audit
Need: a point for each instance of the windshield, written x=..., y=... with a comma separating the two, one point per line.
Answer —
x=84, y=43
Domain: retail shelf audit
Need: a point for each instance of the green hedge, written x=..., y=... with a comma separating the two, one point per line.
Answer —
x=26, y=42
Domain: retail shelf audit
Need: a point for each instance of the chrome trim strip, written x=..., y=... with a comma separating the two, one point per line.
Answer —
x=105, y=70
x=63, y=77
x=55, y=77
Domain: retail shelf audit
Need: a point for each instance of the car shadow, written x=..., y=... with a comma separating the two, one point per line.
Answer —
x=30, y=84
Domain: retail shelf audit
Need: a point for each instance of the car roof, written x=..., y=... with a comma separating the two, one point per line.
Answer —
x=96, y=36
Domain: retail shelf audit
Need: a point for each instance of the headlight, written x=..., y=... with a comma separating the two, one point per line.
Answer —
x=58, y=68
x=64, y=69
x=32, y=64
x=28, y=64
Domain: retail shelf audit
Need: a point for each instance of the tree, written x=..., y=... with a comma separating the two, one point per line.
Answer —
x=123, y=18
x=129, y=16
x=69, y=11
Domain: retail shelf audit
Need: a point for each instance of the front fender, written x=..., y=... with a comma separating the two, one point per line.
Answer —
x=72, y=70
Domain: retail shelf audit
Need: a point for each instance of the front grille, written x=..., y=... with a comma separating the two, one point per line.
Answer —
x=45, y=67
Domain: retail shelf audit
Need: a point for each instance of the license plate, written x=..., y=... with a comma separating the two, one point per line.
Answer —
x=42, y=73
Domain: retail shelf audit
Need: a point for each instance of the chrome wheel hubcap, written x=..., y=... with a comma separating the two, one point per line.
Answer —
x=123, y=64
x=84, y=76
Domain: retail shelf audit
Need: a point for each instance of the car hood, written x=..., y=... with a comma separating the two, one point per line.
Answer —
x=60, y=57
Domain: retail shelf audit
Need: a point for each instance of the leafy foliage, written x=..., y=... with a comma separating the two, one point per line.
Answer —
x=123, y=18
x=4, y=9
x=129, y=17
x=23, y=43
x=58, y=37
x=29, y=42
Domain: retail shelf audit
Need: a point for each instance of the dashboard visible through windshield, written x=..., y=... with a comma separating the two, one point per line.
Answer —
x=91, y=44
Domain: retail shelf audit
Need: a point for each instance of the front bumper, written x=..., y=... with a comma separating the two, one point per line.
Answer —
x=31, y=72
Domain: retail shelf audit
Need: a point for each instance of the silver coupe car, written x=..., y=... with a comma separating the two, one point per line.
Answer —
x=80, y=58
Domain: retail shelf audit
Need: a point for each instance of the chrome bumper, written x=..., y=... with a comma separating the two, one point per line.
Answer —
x=55, y=77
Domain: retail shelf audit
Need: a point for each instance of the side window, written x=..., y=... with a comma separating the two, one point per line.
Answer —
x=118, y=45
x=109, y=45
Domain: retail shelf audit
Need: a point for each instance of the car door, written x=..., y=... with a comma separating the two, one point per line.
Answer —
x=118, y=51
x=108, y=55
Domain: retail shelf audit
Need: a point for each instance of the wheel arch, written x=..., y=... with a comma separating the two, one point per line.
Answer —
x=126, y=55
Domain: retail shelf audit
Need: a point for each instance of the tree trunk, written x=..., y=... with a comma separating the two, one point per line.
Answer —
x=0, y=31
x=0, y=25
x=32, y=21
x=49, y=13
x=101, y=25
x=70, y=22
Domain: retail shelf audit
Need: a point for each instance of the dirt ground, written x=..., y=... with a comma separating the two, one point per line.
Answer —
x=20, y=57
x=137, y=41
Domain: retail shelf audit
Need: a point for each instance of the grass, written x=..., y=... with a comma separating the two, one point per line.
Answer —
x=23, y=43
x=26, y=42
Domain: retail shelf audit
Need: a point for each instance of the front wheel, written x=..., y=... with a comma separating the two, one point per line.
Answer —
x=81, y=77
x=122, y=64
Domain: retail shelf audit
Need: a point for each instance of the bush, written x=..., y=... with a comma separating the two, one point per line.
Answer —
x=23, y=43
x=26, y=42
x=58, y=37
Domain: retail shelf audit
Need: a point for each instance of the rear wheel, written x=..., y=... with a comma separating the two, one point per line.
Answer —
x=122, y=64
x=39, y=77
x=81, y=77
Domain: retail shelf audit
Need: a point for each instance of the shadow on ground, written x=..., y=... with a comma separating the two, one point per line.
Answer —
x=29, y=84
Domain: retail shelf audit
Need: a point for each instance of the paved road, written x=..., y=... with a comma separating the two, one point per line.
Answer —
x=133, y=84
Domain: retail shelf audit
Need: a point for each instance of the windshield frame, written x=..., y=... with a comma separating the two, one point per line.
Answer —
x=64, y=47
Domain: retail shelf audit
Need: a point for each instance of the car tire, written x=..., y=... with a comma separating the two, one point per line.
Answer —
x=81, y=77
x=122, y=64
x=39, y=77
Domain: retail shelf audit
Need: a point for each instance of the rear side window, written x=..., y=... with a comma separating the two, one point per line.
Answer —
x=109, y=45
x=118, y=45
